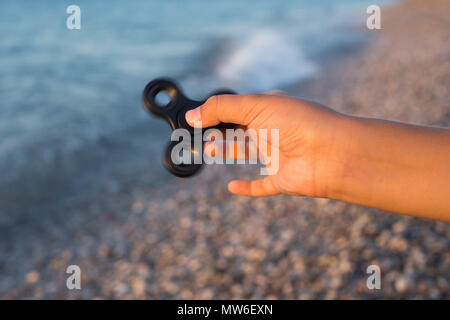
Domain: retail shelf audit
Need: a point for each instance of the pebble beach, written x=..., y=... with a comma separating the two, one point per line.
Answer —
x=192, y=239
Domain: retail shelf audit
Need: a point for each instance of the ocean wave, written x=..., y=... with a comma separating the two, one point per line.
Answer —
x=264, y=60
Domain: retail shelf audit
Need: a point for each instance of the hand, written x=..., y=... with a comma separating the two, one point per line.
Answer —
x=377, y=163
x=309, y=158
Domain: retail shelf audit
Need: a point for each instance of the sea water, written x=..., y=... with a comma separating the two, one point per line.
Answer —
x=66, y=94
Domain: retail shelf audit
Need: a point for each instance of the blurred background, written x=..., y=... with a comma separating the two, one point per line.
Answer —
x=81, y=180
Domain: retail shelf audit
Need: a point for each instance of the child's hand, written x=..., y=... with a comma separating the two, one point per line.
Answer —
x=322, y=153
x=308, y=155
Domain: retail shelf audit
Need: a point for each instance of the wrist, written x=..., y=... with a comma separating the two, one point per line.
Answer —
x=341, y=147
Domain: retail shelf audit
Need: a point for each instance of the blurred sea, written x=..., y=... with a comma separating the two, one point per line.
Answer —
x=70, y=100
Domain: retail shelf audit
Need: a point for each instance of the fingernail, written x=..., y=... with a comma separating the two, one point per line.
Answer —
x=193, y=115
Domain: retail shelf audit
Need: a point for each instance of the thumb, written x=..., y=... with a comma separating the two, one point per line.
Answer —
x=256, y=188
x=238, y=109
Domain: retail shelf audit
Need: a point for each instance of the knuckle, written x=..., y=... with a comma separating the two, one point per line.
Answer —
x=212, y=105
x=211, y=100
x=251, y=104
x=252, y=98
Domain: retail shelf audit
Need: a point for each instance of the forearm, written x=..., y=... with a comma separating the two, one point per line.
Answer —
x=395, y=167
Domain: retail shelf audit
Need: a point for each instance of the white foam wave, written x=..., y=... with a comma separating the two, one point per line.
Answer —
x=264, y=61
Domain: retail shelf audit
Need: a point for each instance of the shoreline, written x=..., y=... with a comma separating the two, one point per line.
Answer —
x=193, y=240
x=95, y=155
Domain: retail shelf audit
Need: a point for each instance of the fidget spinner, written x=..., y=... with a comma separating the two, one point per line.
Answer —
x=174, y=113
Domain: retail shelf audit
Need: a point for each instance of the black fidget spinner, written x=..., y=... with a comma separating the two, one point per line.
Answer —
x=174, y=113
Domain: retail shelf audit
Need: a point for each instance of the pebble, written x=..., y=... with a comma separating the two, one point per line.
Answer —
x=194, y=240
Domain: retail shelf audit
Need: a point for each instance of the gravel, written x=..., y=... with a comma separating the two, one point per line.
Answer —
x=191, y=239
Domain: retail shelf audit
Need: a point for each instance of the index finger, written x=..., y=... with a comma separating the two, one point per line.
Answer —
x=239, y=109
